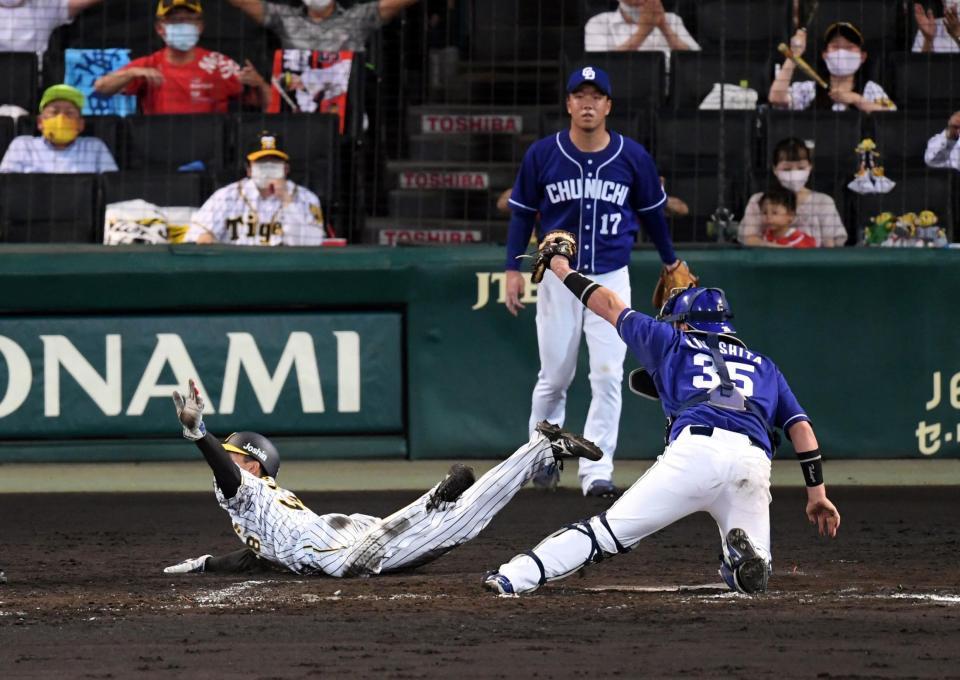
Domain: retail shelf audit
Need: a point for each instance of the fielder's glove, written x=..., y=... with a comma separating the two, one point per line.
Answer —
x=190, y=412
x=196, y=565
x=556, y=242
x=678, y=277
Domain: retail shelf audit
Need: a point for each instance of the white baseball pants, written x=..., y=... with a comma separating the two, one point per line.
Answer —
x=561, y=321
x=724, y=475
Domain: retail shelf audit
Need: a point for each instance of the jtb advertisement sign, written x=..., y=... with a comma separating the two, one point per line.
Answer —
x=303, y=373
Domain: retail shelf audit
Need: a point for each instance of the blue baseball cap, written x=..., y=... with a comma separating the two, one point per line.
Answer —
x=589, y=74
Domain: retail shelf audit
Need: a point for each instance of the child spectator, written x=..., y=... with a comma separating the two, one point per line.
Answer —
x=322, y=25
x=942, y=149
x=937, y=34
x=779, y=209
x=183, y=78
x=843, y=56
x=26, y=25
x=59, y=149
x=637, y=25
x=816, y=213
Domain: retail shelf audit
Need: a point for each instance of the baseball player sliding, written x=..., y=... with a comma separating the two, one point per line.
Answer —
x=263, y=209
x=600, y=185
x=722, y=401
x=275, y=526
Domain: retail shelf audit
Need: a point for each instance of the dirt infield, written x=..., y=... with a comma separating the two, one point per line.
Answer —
x=87, y=598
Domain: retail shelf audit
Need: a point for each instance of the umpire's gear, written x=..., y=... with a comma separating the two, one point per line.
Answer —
x=257, y=447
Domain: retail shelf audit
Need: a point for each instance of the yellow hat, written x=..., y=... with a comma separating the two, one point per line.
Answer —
x=164, y=7
x=266, y=144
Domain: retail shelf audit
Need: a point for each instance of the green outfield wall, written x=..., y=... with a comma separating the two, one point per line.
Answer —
x=369, y=352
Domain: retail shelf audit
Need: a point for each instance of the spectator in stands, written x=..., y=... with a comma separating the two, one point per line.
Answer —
x=265, y=209
x=843, y=56
x=26, y=25
x=59, y=148
x=322, y=24
x=816, y=213
x=637, y=25
x=184, y=78
x=937, y=34
x=942, y=149
x=779, y=209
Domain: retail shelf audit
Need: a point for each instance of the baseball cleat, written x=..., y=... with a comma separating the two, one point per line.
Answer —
x=195, y=565
x=498, y=583
x=603, y=488
x=745, y=570
x=568, y=445
x=458, y=479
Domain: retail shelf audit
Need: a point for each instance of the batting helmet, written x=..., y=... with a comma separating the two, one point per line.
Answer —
x=703, y=309
x=255, y=446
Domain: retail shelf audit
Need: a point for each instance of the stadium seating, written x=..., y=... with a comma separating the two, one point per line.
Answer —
x=163, y=189
x=702, y=194
x=833, y=137
x=108, y=128
x=37, y=208
x=7, y=133
x=690, y=141
x=534, y=29
x=18, y=79
x=902, y=137
x=637, y=78
x=117, y=23
x=881, y=22
x=925, y=82
x=745, y=25
x=165, y=143
x=693, y=74
x=916, y=190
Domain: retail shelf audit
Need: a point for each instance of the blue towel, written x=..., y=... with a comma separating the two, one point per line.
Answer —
x=83, y=67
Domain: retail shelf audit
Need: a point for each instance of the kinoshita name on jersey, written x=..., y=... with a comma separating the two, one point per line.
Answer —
x=730, y=349
x=600, y=189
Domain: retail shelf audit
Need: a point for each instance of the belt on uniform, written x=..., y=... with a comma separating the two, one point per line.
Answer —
x=707, y=431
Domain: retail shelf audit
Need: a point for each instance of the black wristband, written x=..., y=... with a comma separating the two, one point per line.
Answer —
x=580, y=286
x=812, y=465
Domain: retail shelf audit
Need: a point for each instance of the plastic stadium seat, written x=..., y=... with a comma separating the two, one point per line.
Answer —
x=693, y=74
x=165, y=143
x=29, y=213
x=902, y=137
x=690, y=140
x=118, y=23
x=108, y=128
x=925, y=82
x=7, y=133
x=833, y=137
x=881, y=22
x=915, y=191
x=18, y=79
x=701, y=193
x=755, y=27
x=534, y=29
x=636, y=78
x=163, y=189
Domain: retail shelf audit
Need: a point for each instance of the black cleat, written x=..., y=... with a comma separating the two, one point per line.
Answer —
x=750, y=571
x=602, y=488
x=568, y=445
x=459, y=479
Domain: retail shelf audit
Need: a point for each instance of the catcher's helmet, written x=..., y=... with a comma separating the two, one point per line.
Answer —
x=255, y=446
x=703, y=309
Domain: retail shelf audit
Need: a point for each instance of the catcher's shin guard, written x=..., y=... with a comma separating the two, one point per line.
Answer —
x=742, y=568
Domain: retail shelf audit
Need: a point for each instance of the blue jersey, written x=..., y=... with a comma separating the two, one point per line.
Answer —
x=682, y=368
x=598, y=196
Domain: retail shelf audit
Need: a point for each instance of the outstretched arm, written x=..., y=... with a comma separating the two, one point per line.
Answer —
x=820, y=510
x=601, y=301
x=190, y=414
x=252, y=8
x=74, y=7
x=391, y=8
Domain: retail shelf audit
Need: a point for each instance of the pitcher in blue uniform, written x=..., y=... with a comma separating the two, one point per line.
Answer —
x=723, y=403
x=599, y=185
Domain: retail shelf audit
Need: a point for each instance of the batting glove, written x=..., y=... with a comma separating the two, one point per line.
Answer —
x=196, y=565
x=190, y=412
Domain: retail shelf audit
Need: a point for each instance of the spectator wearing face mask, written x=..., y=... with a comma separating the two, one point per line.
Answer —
x=942, y=149
x=26, y=25
x=937, y=34
x=816, y=213
x=637, y=25
x=263, y=209
x=843, y=56
x=59, y=148
x=184, y=78
x=322, y=24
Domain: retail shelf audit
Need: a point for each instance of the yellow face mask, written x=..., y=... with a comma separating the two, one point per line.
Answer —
x=60, y=130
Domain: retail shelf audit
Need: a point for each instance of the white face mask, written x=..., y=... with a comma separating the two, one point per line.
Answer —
x=843, y=62
x=794, y=180
x=632, y=13
x=317, y=5
x=263, y=174
x=181, y=37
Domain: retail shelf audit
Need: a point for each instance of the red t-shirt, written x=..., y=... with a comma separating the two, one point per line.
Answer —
x=794, y=238
x=205, y=85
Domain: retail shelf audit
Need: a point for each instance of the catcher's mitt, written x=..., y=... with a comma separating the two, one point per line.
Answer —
x=556, y=242
x=679, y=277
